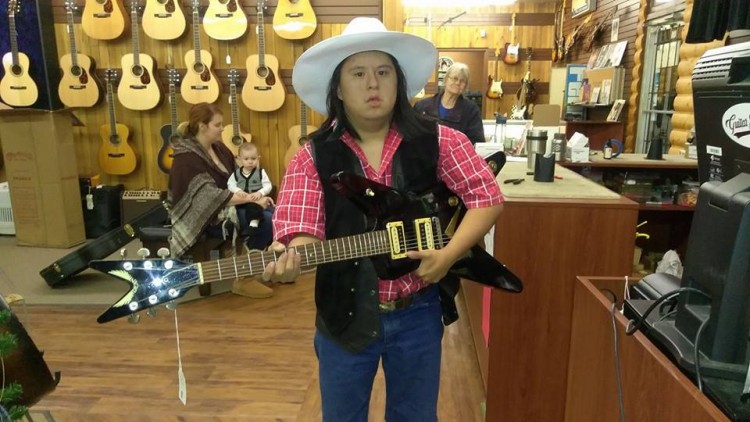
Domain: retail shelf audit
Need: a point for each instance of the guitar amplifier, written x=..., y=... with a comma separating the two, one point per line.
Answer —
x=136, y=202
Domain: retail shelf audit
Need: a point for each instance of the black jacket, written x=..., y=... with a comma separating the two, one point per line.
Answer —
x=464, y=116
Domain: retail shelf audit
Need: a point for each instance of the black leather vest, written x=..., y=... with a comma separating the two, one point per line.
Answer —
x=346, y=292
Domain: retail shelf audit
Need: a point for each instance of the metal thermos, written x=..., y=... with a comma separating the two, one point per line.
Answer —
x=558, y=146
x=536, y=143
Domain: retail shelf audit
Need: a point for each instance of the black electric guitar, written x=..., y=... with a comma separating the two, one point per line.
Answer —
x=400, y=222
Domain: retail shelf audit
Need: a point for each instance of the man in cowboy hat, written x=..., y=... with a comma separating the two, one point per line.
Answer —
x=362, y=80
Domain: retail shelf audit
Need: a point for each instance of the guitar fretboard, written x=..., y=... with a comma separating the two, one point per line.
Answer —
x=13, y=34
x=303, y=120
x=71, y=36
x=196, y=32
x=134, y=23
x=233, y=102
x=261, y=38
x=173, y=103
x=113, y=137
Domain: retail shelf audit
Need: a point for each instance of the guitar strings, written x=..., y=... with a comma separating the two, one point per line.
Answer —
x=213, y=273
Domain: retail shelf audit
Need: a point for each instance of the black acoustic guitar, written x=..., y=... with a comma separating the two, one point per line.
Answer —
x=403, y=222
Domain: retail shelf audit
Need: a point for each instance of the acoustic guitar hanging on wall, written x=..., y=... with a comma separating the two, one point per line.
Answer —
x=224, y=20
x=17, y=89
x=200, y=83
x=138, y=89
x=168, y=132
x=163, y=19
x=103, y=19
x=294, y=19
x=232, y=136
x=116, y=156
x=77, y=88
x=263, y=89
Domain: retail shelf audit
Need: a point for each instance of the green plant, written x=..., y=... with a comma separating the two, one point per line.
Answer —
x=9, y=393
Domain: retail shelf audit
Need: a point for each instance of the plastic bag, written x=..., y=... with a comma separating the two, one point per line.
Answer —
x=670, y=264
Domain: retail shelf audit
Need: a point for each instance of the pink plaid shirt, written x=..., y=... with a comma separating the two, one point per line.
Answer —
x=300, y=204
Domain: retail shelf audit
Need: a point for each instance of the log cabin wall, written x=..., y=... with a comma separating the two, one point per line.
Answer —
x=268, y=129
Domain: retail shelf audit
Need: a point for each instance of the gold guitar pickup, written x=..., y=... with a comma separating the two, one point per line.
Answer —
x=397, y=236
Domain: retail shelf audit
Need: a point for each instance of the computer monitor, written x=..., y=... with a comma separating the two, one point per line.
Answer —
x=717, y=260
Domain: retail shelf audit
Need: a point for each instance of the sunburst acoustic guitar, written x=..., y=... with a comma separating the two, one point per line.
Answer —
x=103, y=19
x=138, y=89
x=232, y=136
x=224, y=20
x=163, y=19
x=200, y=83
x=168, y=132
x=263, y=90
x=116, y=156
x=298, y=135
x=77, y=88
x=294, y=19
x=17, y=89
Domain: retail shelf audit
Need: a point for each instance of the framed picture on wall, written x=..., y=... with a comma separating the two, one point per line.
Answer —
x=580, y=7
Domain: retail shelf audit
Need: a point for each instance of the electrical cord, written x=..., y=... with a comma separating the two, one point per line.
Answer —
x=618, y=374
x=634, y=325
x=696, y=355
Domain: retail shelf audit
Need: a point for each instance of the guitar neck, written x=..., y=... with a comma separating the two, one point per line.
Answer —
x=235, y=112
x=134, y=32
x=111, y=105
x=173, y=107
x=72, y=38
x=312, y=254
x=13, y=38
x=196, y=32
x=303, y=119
x=261, y=38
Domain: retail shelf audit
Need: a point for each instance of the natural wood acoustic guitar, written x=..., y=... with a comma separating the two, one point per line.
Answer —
x=138, y=89
x=263, y=90
x=298, y=135
x=294, y=19
x=232, y=136
x=163, y=19
x=168, y=132
x=78, y=87
x=17, y=89
x=116, y=156
x=495, y=86
x=224, y=20
x=200, y=83
x=512, y=49
x=103, y=19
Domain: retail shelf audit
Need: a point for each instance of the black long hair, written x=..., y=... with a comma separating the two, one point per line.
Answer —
x=408, y=121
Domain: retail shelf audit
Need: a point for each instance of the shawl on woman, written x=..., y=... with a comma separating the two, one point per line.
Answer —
x=197, y=193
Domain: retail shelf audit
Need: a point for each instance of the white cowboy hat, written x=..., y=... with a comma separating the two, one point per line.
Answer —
x=314, y=68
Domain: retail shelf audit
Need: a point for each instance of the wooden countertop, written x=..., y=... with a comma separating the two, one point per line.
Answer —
x=670, y=161
x=571, y=185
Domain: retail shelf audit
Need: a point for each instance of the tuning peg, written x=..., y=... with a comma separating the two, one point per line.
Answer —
x=163, y=253
x=151, y=312
x=143, y=253
x=134, y=318
x=123, y=253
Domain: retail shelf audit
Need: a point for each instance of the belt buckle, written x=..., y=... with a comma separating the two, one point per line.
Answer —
x=389, y=306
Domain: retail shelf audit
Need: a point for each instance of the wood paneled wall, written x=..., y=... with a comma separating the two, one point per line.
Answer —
x=489, y=28
x=269, y=130
x=629, y=12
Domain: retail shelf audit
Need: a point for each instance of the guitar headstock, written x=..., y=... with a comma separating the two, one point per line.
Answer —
x=261, y=5
x=14, y=7
x=173, y=76
x=234, y=77
x=152, y=282
x=70, y=6
x=110, y=75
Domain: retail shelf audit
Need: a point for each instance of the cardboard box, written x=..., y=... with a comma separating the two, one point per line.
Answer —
x=40, y=164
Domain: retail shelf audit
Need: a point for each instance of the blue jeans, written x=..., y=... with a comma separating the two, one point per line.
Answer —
x=410, y=348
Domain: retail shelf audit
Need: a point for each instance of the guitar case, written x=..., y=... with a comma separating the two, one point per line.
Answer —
x=103, y=246
x=25, y=364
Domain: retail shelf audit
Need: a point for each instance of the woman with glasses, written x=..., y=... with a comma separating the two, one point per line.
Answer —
x=451, y=108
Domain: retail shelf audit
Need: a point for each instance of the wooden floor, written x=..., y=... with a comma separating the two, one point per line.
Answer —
x=244, y=360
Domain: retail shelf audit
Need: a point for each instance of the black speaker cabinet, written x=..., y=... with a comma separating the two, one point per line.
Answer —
x=36, y=38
